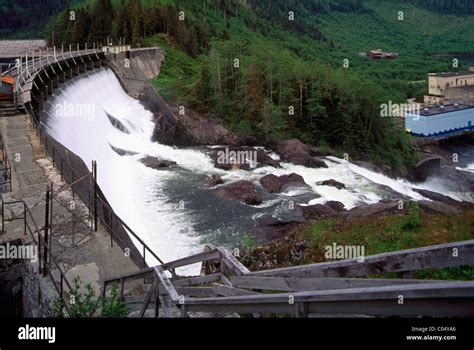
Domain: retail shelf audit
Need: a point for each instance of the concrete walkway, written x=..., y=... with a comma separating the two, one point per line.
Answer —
x=90, y=256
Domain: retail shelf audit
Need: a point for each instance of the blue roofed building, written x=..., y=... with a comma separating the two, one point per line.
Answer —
x=440, y=120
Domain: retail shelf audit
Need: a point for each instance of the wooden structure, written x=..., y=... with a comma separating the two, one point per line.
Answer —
x=340, y=288
x=379, y=54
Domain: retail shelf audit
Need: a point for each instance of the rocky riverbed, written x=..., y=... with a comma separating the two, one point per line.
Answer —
x=436, y=165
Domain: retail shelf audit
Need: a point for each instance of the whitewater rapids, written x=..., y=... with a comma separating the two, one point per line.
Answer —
x=83, y=115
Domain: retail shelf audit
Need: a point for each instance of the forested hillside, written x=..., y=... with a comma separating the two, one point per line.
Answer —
x=27, y=18
x=459, y=7
x=286, y=68
x=272, y=76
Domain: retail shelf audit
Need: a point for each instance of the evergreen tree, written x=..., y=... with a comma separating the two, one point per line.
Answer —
x=255, y=95
x=203, y=91
x=102, y=18
x=122, y=26
x=80, y=27
x=135, y=12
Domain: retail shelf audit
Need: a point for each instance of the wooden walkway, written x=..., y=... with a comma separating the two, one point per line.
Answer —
x=334, y=289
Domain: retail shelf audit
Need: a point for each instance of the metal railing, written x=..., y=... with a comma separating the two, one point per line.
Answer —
x=113, y=223
x=28, y=67
x=6, y=180
x=46, y=261
x=84, y=185
x=81, y=183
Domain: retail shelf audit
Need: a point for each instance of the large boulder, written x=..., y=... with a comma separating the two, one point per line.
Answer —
x=434, y=207
x=165, y=121
x=123, y=152
x=274, y=184
x=438, y=197
x=336, y=206
x=214, y=180
x=246, y=158
x=317, y=211
x=292, y=180
x=366, y=210
x=242, y=190
x=195, y=129
x=298, y=153
x=271, y=183
x=157, y=163
x=380, y=169
x=332, y=183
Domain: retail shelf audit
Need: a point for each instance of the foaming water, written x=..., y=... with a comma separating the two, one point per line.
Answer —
x=134, y=191
x=469, y=168
x=170, y=209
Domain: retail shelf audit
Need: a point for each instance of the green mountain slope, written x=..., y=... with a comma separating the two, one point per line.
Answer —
x=276, y=69
x=25, y=19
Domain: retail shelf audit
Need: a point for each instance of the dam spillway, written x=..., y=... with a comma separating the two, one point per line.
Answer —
x=93, y=116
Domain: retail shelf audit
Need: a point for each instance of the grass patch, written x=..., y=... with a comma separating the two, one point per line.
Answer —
x=392, y=233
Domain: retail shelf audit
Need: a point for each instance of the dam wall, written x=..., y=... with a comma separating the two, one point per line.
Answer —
x=35, y=94
x=135, y=69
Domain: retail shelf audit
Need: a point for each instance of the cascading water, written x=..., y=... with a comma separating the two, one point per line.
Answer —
x=169, y=209
x=78, y=117
x=468, y=168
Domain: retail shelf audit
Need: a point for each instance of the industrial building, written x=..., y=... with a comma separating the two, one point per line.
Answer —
x=449, y=107
x=448, y=86
x=441, y=120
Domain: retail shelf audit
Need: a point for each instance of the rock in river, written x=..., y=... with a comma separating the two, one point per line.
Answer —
x=332, y=183
x=156, y=163
x=296, y=152
x=242, y=190
x=214, y=180
x=274, y=184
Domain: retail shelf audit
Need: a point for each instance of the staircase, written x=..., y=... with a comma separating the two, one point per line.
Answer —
x=8, y=109
x=226, y=288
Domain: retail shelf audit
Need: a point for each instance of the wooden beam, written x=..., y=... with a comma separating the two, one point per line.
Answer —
x=199, y=292
x=167, y=310
x=232, y=263
x=450, y=290
x=430, y=307
x=226, y=291
x=164, y=282
x=147, y=300
x=191, y=281
x=193, y=259
x=301, y=310
x=313, y=284
x=447, y=299
x=439, y=256
x=225, y=281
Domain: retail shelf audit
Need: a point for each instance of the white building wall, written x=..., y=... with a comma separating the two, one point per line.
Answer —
x=439, y=123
